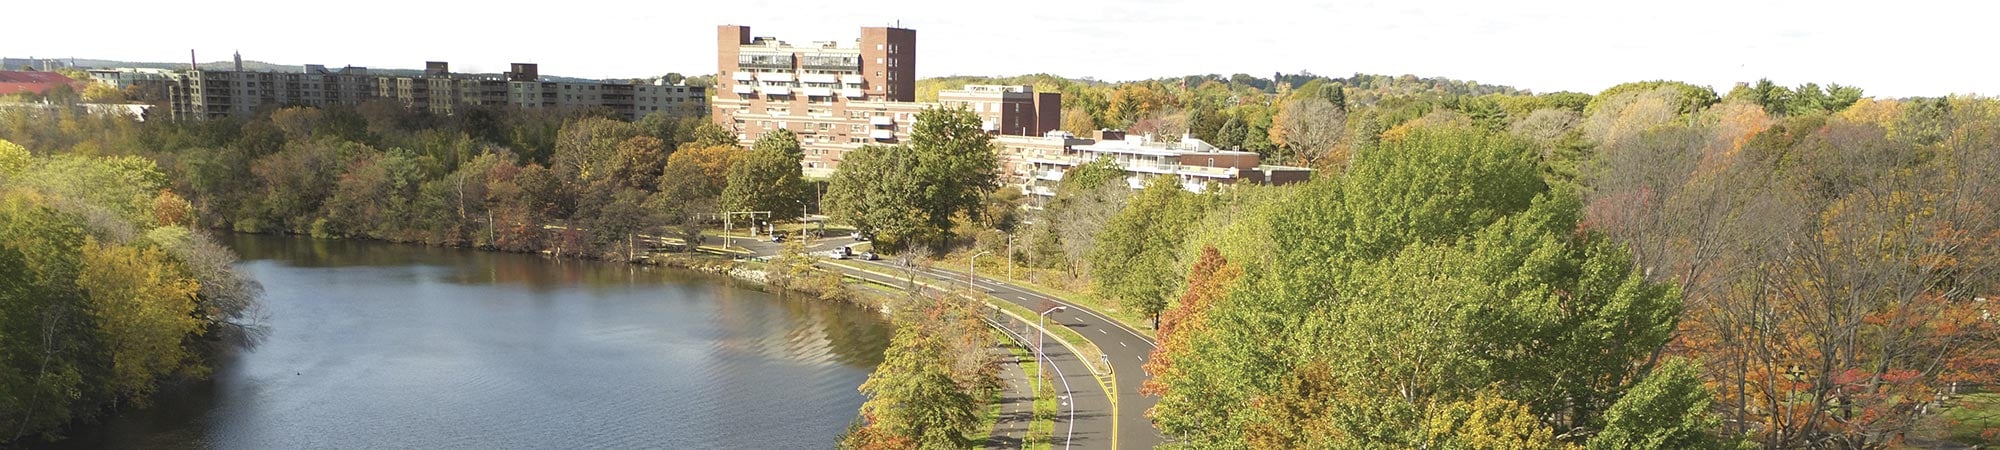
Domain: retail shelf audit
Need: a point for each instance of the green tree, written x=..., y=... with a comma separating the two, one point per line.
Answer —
x=765, y=180
x=1136, y=258
x=780, y=140
x=1439, y=268
x=1670, y=409
x=880, y=190
x=912, y=193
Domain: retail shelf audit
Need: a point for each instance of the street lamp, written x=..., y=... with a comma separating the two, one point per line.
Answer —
x=970, y=267
x=1038, y=346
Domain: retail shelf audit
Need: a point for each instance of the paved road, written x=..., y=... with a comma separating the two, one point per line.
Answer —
x=1125, y=348
x=1083, y=421
x=1017, y=405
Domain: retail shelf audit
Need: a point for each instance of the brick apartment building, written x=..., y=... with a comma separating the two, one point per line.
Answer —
x=215, y=94
x=838, y=97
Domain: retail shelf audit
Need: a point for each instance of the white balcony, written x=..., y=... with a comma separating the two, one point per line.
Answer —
x=819, y=78
x=775, y=90
x=989, y=126
x=744, y=89
x=743, y=76
x=776, y=77
x=882, y=121
x=852, y=93
x=882, y=135
x=818, y=92
x=854, y=79
x=1049, y=175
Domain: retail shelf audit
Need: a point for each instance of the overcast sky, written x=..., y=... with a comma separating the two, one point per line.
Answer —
x=1890, y=48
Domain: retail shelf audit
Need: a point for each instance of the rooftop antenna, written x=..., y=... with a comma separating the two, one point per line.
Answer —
x=192, y=65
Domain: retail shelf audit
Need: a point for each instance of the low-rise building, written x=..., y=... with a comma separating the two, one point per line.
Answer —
x=1196, y=165
x=122, y=78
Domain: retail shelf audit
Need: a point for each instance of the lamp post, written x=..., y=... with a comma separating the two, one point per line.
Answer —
x=970, y=266
x=1043, y=358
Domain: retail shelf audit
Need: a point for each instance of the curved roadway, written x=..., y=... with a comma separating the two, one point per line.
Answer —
x=1125, y=348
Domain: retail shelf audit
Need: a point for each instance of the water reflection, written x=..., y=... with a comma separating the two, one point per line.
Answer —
x=382, y=345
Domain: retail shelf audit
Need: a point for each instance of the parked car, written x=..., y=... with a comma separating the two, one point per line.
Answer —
x=860, y=237
x=777, y=237
x=869, y=256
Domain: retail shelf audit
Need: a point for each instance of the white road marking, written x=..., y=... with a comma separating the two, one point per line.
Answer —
x=1122, y=344
x=1101, y=330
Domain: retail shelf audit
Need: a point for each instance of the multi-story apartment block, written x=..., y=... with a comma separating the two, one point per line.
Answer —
x=1197, y=165
x=214, y=94
x=839, y=97
x=126, y=77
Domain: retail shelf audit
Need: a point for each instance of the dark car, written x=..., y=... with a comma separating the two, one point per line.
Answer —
x=777, y=237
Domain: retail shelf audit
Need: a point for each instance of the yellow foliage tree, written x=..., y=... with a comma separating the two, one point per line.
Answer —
x=143, y=307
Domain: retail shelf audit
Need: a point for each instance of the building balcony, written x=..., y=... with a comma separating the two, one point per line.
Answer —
x=854, y=79
x=818, y=92
x=1054, y=161
x=852, y=93
x=1049, y=175
x=882, y=121
x=882, y=135
x=775, y=90
x=744, y=89
x=776, y=77
x=819, y=78
x=1208, y=172
x=742, y=76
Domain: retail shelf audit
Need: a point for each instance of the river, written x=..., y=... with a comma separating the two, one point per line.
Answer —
x=375, y=345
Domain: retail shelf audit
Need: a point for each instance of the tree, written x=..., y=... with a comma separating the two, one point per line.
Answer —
x=1310, y=128
x=765, y=180
x=143, y=308
x=639, y=162
x=1138, y=250
x=708, y=134
x=1671, y=409
x=13, y=158
x=912, y=193
x=1440, y=275
x=1231, y=134
x=880, y=189
x=781, y=140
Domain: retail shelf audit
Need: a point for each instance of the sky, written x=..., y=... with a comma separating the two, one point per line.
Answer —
x=1889, y=48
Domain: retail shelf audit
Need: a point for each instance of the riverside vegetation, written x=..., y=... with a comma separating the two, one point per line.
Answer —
x=1474, y=266
x=105, y=291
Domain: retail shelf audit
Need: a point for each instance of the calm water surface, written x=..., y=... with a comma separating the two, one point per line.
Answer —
x=376, y=345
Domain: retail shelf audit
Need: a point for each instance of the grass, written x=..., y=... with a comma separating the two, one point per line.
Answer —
x=1976, y=420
